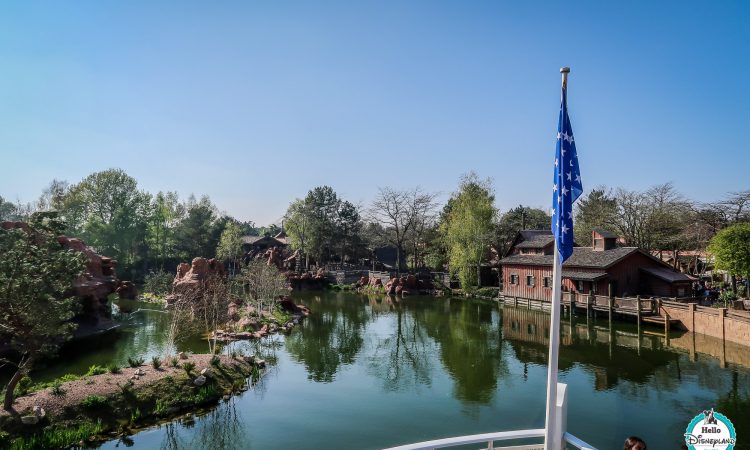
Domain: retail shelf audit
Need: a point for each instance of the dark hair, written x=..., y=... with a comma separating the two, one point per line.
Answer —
x=631, y=441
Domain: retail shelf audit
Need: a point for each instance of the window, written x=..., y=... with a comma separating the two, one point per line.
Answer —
x=579, y=285
x=514, y=279
x=594, y=287
x=530, y=280
x=546, y=282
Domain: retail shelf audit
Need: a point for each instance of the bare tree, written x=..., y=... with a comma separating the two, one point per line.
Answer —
x=204, y=309
x=263, y=283
x=399, y=213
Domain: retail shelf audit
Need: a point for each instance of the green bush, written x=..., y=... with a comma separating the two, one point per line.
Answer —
x=96, y=370
x=156, y=362
x=158, y=283
x=57, y=389
x=174, y=361
x=188, y=367
x=23, y=386
x=136, y=362
x=114, y=368
x=216, y=360
x=94, y=402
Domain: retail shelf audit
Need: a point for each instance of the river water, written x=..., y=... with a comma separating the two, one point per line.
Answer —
x=369, y=372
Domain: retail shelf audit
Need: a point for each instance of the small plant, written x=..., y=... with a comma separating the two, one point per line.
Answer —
x=114, y=368
x=23, y=386
x=174, y=361
x=126, y=389
x=136, y=362
x=216, y=361
x=156, y=362
x=96, y=370
x=135, y=416
x=234, y=354
x=57, y=389
x=188, y=367
x=94, y=402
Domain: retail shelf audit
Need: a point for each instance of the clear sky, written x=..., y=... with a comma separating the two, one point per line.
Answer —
x=254, y=103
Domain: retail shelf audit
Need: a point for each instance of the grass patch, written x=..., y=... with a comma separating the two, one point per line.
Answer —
x=156, y=362
x=136, y=362
x=188, y=366
x=58, y=437
x=96, y=370
x=114, y=368
x=94, y=402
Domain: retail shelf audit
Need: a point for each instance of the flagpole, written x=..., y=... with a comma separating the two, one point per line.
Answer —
x=552, y=437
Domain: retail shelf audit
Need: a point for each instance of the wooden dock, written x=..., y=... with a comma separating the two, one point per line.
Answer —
x=642, y=309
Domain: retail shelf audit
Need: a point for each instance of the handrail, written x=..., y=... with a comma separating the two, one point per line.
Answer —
x=577, y=443
x=472, y=439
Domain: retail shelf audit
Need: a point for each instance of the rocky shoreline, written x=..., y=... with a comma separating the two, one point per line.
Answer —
x=104, y=406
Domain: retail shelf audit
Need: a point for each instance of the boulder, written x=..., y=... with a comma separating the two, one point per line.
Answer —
x=206, y=372
x=30, y=420
x=126, y=290
x=182, y=355
x=200, y=381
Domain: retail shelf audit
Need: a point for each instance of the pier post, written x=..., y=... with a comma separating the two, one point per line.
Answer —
x=572, y=303
x=638, y=312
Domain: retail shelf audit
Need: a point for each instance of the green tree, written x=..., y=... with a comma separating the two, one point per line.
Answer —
x=108, y=211
x=516, y=219
x=469, y=228
x=36, y=301
x=298, y=223
x=166, y=213
x=196, y=232
x=230, y=245
x=731, y=250
x=598, y=209
x=348, y=226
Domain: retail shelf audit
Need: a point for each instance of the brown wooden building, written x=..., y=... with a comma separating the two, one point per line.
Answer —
x=603, y=269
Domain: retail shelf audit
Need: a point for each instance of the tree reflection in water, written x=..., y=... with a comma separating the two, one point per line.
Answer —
x=220, y=429
x=330, y=337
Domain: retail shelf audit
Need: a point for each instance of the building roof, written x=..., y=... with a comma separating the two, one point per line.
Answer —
x=529, y=234
x=605, y=234
x=255, y=239
x=666, y=274
x=581, y=257
x=536, y=241
x=585, y=276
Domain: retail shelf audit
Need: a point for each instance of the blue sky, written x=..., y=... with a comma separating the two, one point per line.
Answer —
x=254, y=103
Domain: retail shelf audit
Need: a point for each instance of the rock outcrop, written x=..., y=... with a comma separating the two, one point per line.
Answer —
x=191, y=276
x=93, y=287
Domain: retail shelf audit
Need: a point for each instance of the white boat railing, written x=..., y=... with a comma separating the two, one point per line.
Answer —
x=489, y=439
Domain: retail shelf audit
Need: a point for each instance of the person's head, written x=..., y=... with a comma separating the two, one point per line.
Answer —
x=634, y=443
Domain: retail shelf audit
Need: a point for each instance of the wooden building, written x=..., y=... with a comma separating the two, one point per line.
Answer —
x=603, y=269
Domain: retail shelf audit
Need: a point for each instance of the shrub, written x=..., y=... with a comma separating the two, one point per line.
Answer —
x=23, y=386
x=188, y=367
x=158, y=283
x=114, y=368
x=234, y=354
x=156, y=362
x=94, y=402
x=174, y=361
x=57, y=389
x=216, y=361
x=136, y=362
x=96, y=370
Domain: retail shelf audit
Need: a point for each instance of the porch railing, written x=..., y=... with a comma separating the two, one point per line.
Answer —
x=489, y=440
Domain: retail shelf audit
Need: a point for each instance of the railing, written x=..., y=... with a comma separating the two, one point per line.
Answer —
x=565, y=439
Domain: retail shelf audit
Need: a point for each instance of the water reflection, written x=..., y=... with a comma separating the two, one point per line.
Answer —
x=424, y=367
x=329, y=338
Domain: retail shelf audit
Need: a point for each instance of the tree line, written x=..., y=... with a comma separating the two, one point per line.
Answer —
x=147, y=232
x=143, y=231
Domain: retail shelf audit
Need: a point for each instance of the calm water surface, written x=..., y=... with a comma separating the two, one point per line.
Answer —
x=366, y=372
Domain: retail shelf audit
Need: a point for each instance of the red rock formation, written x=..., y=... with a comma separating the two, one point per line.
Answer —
x=190, y=276
x=95, y=285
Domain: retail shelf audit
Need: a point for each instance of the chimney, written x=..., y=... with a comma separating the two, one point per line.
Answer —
x=602, y=240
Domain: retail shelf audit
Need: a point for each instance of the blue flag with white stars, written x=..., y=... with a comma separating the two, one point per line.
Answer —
x=567, y=185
